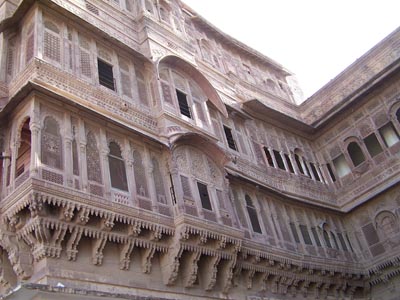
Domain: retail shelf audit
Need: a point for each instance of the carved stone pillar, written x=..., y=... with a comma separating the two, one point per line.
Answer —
x=35, y=148
x=176, y=187
x=14, y=153
x=129, y=172
x=104, y=163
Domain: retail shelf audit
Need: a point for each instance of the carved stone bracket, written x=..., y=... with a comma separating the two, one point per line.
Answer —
x=170, y=264
x=147, y=256
x=212, y=271
x=190, y=272
x=72, y=243
x=125, y=255
x=97, y=250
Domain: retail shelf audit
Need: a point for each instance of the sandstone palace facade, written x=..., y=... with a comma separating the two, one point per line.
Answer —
x=145, y=154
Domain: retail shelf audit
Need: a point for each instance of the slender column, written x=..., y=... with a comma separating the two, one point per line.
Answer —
x=104, y=163
x=35, y=148
x=68, y=165
x=128, y=157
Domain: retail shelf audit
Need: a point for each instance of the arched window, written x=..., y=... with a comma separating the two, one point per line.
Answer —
x=356, y=154
x=24, y=150
x=387, y=224
x=51, y=144
x=117, y=167
x=252, y=212
x=398, y=115
x=93, y=159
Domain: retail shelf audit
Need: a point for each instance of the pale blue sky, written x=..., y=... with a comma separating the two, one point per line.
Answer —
x=315, y=39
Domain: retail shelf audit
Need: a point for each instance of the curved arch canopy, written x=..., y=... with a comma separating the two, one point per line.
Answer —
x=180, y=64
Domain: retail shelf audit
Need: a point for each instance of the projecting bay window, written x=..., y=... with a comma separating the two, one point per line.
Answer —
x=229, y=138
x=183, y=104
x=106, y=77
x=204, y=196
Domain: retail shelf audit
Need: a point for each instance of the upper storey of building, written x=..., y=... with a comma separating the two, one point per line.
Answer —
x=160, y=70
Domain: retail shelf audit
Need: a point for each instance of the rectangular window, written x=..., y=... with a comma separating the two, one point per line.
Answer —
x=294, y=231
x=305, y=234
x=316, y=237
x=314, y=170
x=289, y=163
x=204, y=197
x=342, y=242
x=331, y=172
x=269, y=157
x=183, y=104
x=279, y=160
x=341, y=165
x=372, y=144
x=229, y=138
x=389, y=134
x=106, y=77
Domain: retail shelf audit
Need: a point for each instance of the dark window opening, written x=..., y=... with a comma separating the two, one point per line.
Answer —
x=315, y=172
x=24, y=151
x=251, y=210
x=372, y=144
x=307, y=170
x=229, y=138
x=335, y=240
x=289, y=163
x=106, y=77
x=183, y=104
x=305, y=234
x=298, y=162
x=117, y=168
x=269, y=157
x=204, y=197
x=356, y=154
x=342, y=242
x=331, y=172
x=316, y=237
x=398, y=115
x=75, y=158
x=294, y=231
x=327, y=240
x=389, y=134
x=348, y=241
x=279, y=160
